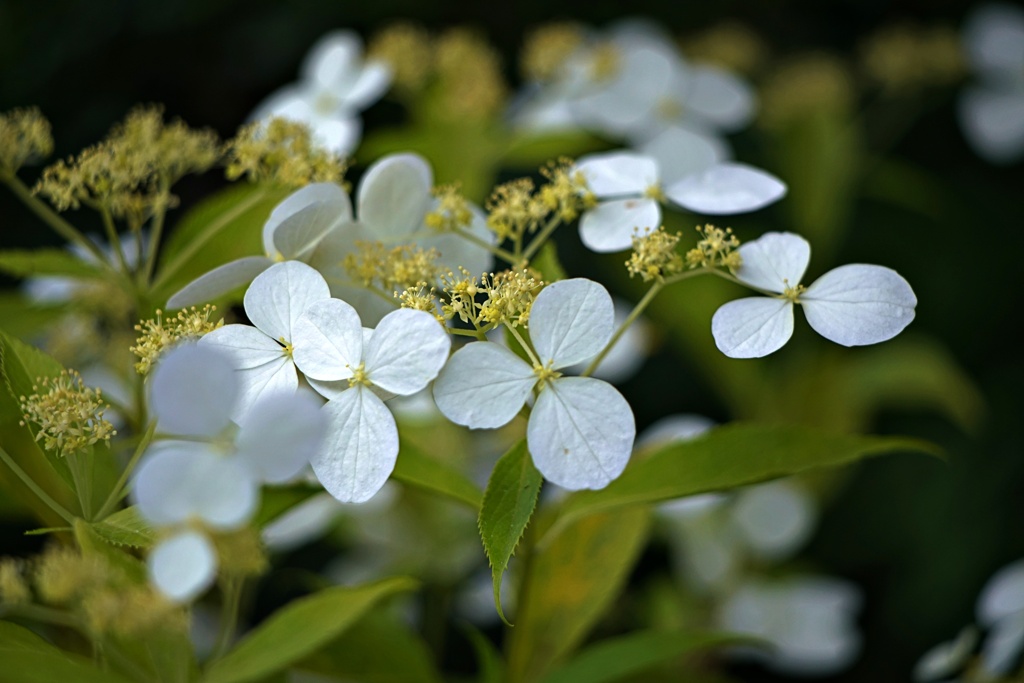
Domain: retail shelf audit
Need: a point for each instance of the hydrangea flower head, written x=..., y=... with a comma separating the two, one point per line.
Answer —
x=581, y=430
x=852, y=305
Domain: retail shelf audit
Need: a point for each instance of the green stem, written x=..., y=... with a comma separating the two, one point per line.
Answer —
x=36, y=489
x=537, y=242
x=196, y=245
x=526, y=347
x=83, y=484
x=52, y=218
x=155, y=234
x=503, y=254
x=634, y=314
x=117, y=493
x=113, y=238
x=725, y=276
x=476, y=334
x=232, y=596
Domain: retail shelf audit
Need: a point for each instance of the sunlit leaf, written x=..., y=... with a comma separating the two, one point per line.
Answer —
x=126, y=527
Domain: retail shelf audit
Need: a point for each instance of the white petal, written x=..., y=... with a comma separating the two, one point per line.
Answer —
x=719, y=97
x=289, y=102
x=219, y=281
x=571, y=321
x=260, y=363
x=278, y=296
x=681, y=152
x=371, y=82
x=315, y=193
x=725, y=189
x=193, y=390
x=457, y=251
x=333, y=59
x=858, y=304
x=303, y=523
x=180, y=480
x=338, y=134
x=406, y=351
x=618, y=173
x=775, y=519
x=610, y=226
x=994, y=40
x=945, y=659
x=752, y=327
x=361, y=447
x=580, y=433
x=394, y=196
x=993, y=123
x=183, y=566
x=328, y=341
x=483, y=386
x=1003, y=646
x=774, y=261
x=280, y=435
x=626, y=103
x=1003, y=595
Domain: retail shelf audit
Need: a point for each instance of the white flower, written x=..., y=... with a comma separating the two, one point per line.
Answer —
x=262, y=355
x=852, y=305
x=1000, y=608
x=392, y=203
x=992, y=111
x=293, y=230
x=580, y=432
x=809, y=620
x=945, y=659
x=630, y=187
x=402, y=355
x=336, y=84
x=214, y=476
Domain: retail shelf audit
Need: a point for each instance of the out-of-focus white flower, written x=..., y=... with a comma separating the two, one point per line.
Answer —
x=852, y=305
x=293, y=230
x=183, y=565
x=305, y=522
x=262, y=355
x=392, y=202
x=630, y=187
x=810, y=621
x=946, y=659
x=992, y=110
x=1000, y=608
x=580, y=432
x=402, y=355
x=335, y=85
x=774, y=519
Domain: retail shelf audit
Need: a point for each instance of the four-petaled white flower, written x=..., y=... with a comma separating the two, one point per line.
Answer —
x=292, y=232
x=262, y=355
x=992, y=112
x=852, y=305
x=580, y=432
x=401, y=356
x=630, y=188
x=336, y=84
x=213, y=473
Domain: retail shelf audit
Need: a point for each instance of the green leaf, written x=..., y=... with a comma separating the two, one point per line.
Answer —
x=533, y=149
x=570, y=581
x=93, y=544
x=221, y=228
x=726, y=457
x=491, y=667
x=274, y=502
x=29, y=262
x=613, y=659
x=126, y=527
x=27, y=658
x=300, y=629
x=546, y=261
x=415, y=468
x=509, y=502
x=367, y=653
x=23, y=318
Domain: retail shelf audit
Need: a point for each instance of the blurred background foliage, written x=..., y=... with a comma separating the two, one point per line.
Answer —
x=890, y=182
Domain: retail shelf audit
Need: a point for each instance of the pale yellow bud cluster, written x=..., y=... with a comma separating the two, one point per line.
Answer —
x=392, y=268
x=452, y=212
x=14, y=589
x=509, y=296
x=241, y=552
x=512, y=211
x=409, y=51
x=565, y=194
x=905, y=57
x=158, y=335
x=547, y=48
x=715, y=248
x=68, y=415
x=63, y=574
x=420, y=297
x=471, y=85
x=654, y=255
x=730, y=45
x=804, y=87
x=281, y=152
x=24, y=137
x=130, y=172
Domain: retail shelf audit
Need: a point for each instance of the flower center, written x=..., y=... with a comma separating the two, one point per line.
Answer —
x=545, y=373
x=288, y=348
x=654, y=192
x=359, y=376
x=793, y=293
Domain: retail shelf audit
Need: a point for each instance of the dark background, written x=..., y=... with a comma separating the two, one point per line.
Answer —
x=921, y=537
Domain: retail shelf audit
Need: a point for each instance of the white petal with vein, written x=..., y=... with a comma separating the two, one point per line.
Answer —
x=773, y=260
x=328, y=341
x=725, y=189
x=610, y=226
x=483, y=386
x=571, y=321
x=407, y=350
x=857, y=304
x=279, y=295
x=752, y=327
x=219, y=281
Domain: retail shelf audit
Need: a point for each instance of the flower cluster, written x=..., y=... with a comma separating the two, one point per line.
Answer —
x=67, y=415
